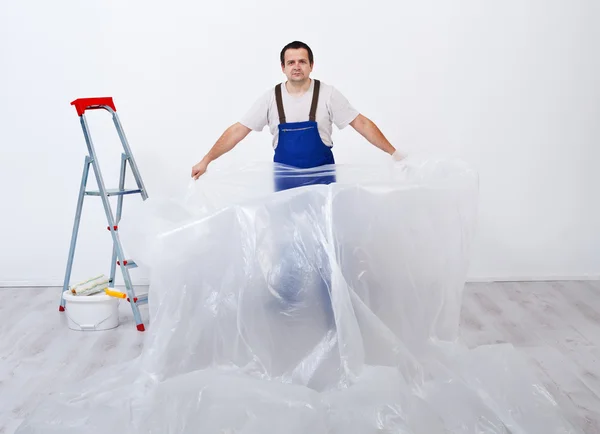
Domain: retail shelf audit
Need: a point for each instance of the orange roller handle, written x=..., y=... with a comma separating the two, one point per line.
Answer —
x=116, y=294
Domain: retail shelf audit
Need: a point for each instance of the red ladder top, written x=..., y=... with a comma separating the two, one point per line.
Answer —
x=83, y=104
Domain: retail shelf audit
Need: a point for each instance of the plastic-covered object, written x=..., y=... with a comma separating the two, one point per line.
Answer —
x=320, y=309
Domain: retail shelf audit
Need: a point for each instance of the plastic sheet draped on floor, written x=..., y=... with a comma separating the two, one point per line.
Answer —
x=322, y=309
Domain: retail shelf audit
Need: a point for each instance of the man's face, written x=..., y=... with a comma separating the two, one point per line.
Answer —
x=296, y=66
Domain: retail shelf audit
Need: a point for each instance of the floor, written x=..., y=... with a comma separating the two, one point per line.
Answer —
x=556, y=324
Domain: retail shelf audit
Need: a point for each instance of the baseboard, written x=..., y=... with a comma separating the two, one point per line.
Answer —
x=55, y=283
x=557, y=278
x=472, y=279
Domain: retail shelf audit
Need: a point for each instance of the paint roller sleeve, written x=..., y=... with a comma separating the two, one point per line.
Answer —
x=90, y=286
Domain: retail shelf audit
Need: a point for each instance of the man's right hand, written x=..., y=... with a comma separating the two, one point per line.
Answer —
x=398, y=156
x=199, y=169
x=231, y=137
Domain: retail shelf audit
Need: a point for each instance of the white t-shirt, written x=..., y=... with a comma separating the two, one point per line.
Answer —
x=333, y=108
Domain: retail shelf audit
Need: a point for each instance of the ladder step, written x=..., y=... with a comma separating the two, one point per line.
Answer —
x=139, y=299
x=114, y=192
x=128, y=263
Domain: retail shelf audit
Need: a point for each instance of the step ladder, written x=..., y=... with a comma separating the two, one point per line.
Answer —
x=118, y=259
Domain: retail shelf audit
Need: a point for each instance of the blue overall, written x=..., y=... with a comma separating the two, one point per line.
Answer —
x=300, y=147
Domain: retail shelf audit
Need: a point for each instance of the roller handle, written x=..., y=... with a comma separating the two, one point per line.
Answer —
x=116, y=294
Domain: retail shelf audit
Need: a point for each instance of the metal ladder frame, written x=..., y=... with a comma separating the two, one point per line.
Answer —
x=118, y=258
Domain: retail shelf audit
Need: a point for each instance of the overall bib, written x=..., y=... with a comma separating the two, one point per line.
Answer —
x=300, y=290
x=300, y=146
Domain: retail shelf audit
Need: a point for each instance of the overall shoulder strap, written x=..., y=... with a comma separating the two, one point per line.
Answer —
x=313, y=108
x=279, y=101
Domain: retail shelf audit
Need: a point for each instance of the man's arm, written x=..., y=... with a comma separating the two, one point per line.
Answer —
x=369, y=131
x=228, y=140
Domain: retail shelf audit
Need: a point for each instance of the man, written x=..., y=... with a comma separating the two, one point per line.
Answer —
x=300, y=114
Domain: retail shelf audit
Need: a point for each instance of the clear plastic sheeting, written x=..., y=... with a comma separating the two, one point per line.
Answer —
x=319, y=309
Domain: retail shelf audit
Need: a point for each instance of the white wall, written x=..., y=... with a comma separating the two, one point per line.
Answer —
x=508, y=86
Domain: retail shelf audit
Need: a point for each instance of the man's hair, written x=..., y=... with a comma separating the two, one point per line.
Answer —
x=296, y=45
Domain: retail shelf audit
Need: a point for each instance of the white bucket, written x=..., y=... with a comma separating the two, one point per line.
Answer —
x=91, y=312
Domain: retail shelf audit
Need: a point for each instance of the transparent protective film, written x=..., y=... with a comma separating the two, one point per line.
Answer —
x=324, y=308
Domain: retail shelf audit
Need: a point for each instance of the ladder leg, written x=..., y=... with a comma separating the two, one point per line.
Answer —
x=133, y=301
x=134, y=168
x=121, y=258
x=111, y=225
x=84, y=178
x=113, y=264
